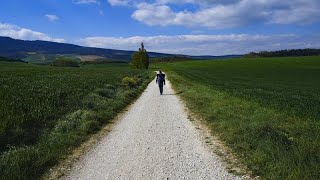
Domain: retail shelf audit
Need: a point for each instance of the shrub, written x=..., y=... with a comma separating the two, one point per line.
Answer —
x=129, y=82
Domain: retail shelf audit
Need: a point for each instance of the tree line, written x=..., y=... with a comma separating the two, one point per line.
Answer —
x=285, y=53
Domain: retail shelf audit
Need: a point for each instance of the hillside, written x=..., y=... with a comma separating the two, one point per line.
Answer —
x=44, y=52
x=25, y=50
x=9, y=60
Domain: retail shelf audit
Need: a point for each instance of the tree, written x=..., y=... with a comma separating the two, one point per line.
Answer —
x=140, y=59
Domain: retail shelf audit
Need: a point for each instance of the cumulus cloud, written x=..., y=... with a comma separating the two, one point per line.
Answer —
x=206, y=44
x=51, y=17
x=17, y=32
x=305, y=12
x=227, y=14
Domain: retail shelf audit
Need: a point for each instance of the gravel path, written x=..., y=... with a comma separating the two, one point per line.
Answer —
x=153, y=140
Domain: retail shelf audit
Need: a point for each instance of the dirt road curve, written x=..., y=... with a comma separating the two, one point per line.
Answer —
x=153, y=140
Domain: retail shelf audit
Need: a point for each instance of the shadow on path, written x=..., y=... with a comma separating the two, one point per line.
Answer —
x=172, y=94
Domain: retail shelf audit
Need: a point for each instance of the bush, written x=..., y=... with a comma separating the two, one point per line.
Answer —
x=130, y=82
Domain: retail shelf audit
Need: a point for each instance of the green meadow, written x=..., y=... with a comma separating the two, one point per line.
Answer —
x=46, y=111
x=267, y=110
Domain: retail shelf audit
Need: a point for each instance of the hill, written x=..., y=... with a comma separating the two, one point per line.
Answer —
x=9, y=59
x=45, y=52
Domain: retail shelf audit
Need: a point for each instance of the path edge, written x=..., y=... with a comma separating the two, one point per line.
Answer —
x=64, y=166
x=216, y=146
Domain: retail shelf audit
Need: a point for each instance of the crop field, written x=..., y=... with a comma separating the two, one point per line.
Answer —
x=44, y=111
x=266, y=109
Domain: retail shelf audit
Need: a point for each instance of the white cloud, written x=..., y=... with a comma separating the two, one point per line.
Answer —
x=86, y=1
x=91, y=2
x=17, y=32
x=307, y=12
x=227, y=14
x=118, y=2
x=51, y=17
x=206, y=44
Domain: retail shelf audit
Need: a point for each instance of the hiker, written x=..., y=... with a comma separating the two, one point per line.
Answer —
x=161, y=81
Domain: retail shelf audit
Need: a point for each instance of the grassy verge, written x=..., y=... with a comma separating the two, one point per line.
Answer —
x=265, y=109
x=59, y=108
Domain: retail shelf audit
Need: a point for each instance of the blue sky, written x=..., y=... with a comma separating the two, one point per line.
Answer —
x=195, y=27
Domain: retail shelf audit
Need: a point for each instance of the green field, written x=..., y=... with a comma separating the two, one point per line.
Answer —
x=45, y=111
x=266, y=109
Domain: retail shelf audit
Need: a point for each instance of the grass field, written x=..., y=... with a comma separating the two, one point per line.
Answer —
x=266, y=109
x=45, y=111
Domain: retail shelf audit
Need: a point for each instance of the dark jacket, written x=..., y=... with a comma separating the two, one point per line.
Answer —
x=161, y=79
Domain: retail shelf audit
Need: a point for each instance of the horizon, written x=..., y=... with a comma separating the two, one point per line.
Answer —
x=186, y=27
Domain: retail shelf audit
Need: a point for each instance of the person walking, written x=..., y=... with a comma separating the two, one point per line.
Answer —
x=161, y=81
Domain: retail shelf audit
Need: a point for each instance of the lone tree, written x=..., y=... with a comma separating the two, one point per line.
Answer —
x=140, y=59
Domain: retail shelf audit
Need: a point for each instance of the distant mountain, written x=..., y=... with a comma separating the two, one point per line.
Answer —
x=44, y=51
x=20, y=49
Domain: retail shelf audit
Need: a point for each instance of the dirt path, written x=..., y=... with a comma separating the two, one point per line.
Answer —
x=153, y=140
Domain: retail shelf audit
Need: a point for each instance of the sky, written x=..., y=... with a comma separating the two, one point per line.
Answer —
x=192, y=27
